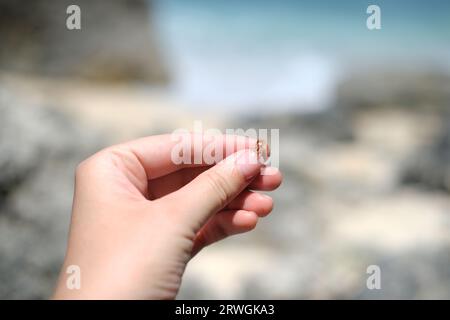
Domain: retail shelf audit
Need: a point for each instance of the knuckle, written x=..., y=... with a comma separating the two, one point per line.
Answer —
x=82, y=168
x=220, y=186
x=92, y=164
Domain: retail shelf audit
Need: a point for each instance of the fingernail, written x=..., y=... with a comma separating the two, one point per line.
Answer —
x=248, y=164
x=269, y=171
x=265, y=196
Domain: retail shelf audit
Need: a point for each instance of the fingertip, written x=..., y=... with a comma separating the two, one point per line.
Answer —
x=245, y=220
x=267, y=205
x=256, y=202
x=268, y=180
x=273, y=175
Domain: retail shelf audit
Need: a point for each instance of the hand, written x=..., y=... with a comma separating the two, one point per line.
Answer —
x=138, y=218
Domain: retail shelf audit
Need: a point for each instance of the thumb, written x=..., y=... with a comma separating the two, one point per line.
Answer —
x=213, y=189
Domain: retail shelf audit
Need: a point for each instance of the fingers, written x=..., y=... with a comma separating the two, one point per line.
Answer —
x=224, y=224
x=258, y=203
x=164, y=185
x=268, y=181
x=215, y=188
x=163, y=154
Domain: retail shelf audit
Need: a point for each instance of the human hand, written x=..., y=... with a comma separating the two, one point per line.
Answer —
x=138, y=218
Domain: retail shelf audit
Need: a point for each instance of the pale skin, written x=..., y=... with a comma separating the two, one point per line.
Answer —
x=138, y=218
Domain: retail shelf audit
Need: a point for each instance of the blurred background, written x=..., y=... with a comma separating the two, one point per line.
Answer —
x=364, y=119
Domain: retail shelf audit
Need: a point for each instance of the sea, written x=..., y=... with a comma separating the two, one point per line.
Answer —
x=286, y=55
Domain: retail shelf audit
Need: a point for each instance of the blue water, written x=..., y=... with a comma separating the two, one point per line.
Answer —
x=282, y=55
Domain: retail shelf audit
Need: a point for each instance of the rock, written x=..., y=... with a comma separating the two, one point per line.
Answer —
x=324, y=125
x=419, y=90
x=115, y=42
x=410, y=275
x=430, y=166
x=39, y=149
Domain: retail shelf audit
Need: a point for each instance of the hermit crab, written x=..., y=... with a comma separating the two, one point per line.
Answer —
x=262, y=150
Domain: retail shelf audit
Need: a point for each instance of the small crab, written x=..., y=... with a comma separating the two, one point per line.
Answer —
x=262, y=150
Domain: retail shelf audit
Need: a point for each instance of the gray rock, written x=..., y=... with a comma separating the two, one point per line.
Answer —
x=116, y=41
x=430, y=166
x=411, y=275
x=39, y=149
x=418, y=90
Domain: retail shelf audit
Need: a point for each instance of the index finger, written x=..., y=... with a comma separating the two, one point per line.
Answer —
x=158, y=154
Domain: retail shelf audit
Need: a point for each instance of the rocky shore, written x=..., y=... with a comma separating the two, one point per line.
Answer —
x=367, y=182
x=116, y=41
x=364, y=185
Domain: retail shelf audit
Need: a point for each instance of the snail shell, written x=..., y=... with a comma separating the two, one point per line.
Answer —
x=262, y=149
